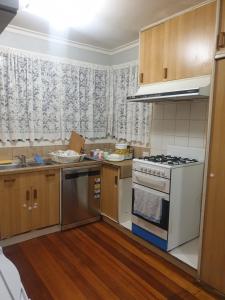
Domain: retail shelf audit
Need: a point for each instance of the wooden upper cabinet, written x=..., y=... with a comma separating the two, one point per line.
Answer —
x=212, y=269
x=190, y=43
x=181, y=47
x=152, y=54
x=221, y=36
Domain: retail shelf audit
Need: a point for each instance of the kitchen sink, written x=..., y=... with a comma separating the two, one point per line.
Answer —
x=27, y=165
x=10, y=166
x=36, y=164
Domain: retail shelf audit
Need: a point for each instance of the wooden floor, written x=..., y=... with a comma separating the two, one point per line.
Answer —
x=97, y=262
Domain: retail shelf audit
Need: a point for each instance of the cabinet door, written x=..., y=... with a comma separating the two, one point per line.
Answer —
x=15, y=208
x=52, y=196
x=213, y=248
x=109, y=195
x=221, y=37
x=189, y=40
x=45, y=199
x=152, y=54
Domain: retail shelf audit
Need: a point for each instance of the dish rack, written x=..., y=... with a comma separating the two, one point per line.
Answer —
x=66, y=159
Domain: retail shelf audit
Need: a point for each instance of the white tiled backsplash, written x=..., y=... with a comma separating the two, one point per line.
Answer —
x=180, y=124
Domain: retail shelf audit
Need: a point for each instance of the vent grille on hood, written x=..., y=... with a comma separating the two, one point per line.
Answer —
x=176, y=90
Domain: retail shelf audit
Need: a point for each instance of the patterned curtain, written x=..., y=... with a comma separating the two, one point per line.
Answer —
x=127, y=121
x=45, y=99
x=84, y=97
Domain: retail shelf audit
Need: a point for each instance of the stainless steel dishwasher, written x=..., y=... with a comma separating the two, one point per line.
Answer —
x=81, y=188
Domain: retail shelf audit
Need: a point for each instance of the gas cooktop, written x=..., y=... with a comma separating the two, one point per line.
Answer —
x=168, y=159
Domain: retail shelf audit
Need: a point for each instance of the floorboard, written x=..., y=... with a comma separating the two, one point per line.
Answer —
x=97, y=261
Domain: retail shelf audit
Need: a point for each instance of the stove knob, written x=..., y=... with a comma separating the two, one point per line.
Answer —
x=163, y=174
x=154, y=172
x=141, y=169
x=158, y=173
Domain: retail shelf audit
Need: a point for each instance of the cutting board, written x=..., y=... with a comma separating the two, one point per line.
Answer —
x=5, y=162
x=76, y=142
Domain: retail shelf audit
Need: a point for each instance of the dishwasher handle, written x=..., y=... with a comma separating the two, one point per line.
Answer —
x=73, y=173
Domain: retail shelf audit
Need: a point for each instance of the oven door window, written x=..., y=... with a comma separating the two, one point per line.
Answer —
x=151, y=205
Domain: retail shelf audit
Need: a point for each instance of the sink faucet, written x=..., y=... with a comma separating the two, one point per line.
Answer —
x=22, y=159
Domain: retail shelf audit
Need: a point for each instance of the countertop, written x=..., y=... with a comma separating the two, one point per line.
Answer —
x=48, y=167
x=125, y=167
x=123, y=163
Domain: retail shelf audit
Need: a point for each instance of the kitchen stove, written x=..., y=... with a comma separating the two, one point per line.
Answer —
x=167, y=199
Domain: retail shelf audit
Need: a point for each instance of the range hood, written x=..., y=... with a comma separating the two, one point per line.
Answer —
x=174, y=90
x=8, y=10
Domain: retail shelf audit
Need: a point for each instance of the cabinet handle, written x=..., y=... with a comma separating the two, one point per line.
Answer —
x=221, y=40
x=165, y=73
x=35, y=194
x=50, y=175
x=9, y=180
x=27, y=195
x=116, y=180
x=141, y=77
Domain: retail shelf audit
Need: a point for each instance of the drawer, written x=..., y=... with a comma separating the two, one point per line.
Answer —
x=13, y=181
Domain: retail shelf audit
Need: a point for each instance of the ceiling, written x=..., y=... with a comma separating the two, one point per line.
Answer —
x=117, y=24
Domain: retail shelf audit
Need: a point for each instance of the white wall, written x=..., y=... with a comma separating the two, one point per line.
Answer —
x=124, y=56
x=31, y=43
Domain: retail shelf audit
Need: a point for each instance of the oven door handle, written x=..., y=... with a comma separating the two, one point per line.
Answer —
x=150, y=182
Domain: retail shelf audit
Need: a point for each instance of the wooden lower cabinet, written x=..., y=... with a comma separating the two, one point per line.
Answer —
x=109, y=192
x=212, y=269
x=45, y=199
x=28, y=201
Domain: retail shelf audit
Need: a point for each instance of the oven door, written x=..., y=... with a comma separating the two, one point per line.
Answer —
x=151, y=205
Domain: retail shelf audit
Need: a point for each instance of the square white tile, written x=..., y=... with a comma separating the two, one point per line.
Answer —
x=169, y=111
x=169, y=127
x=197, y=129
x=199, y=110
x=183, y=111
x=196, y=142
x=181, y=141
x=182, y=127
x=156, y=141
x=158, y=111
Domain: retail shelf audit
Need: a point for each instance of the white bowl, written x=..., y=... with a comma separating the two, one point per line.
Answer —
x=115, y=157
x=121, y=146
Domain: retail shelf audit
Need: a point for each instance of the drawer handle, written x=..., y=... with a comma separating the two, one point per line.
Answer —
x=50, y=175
x=35, y=194
x=141, y=77
x=165, y=73
x=27, y=195
x=116, y=180
x=9, y=180
x=221, y=40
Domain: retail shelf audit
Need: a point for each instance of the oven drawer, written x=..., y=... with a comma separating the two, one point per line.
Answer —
x=151, y=181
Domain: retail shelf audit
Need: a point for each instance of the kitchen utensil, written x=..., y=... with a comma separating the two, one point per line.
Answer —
x=76, y=142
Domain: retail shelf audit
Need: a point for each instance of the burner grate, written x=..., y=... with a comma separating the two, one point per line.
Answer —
x=169, y=160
